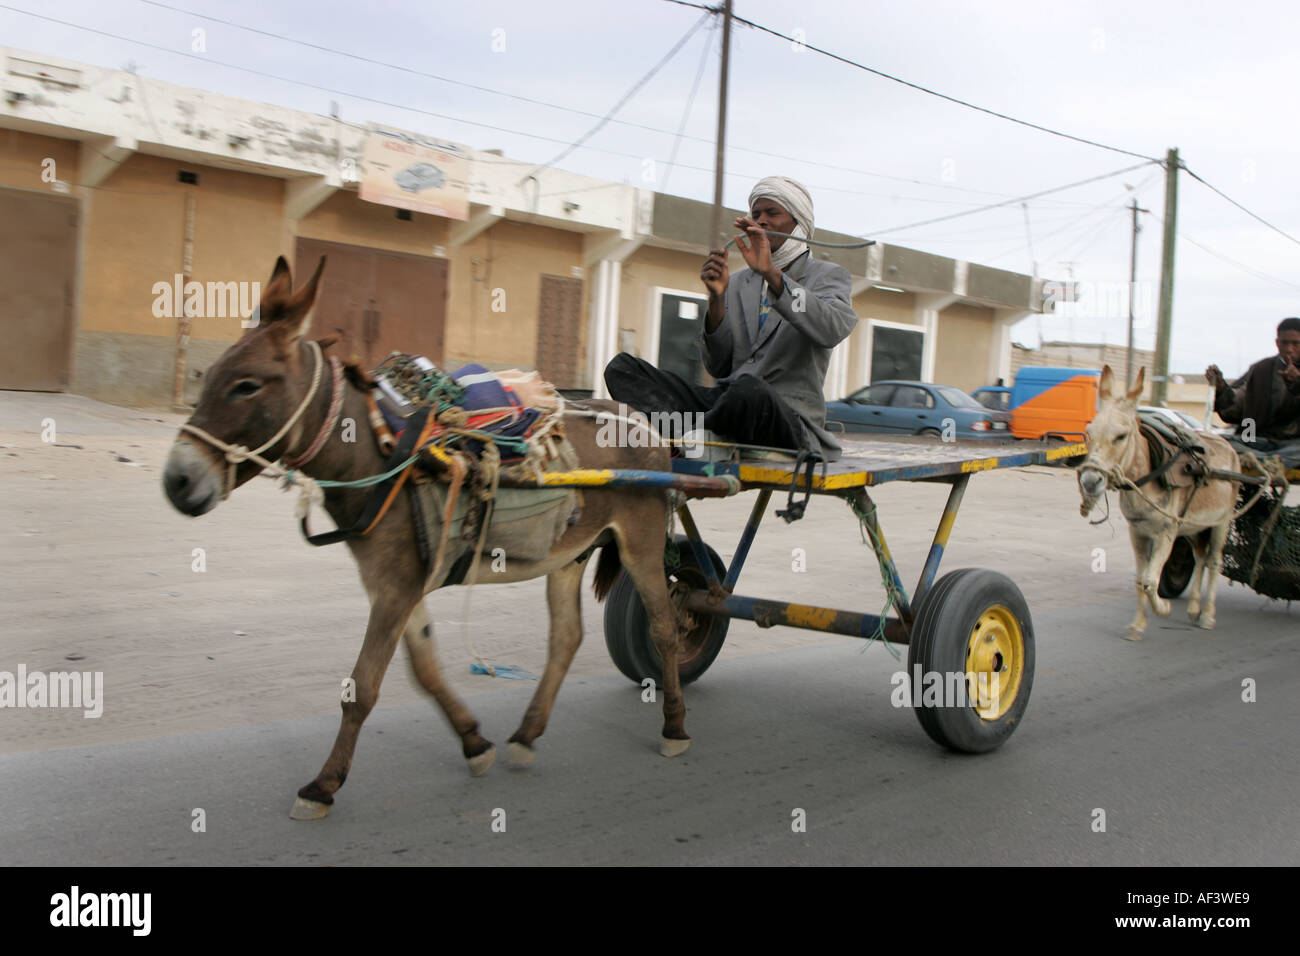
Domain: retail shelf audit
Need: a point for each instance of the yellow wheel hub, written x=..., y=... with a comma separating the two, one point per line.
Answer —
x=995, y=662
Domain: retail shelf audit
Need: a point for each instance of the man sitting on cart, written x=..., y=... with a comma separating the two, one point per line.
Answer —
x=767, y=338
x=1265, y=402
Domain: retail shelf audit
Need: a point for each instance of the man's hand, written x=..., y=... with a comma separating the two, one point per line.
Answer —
x=758, y=253
x=1214, y=377
x=1290, y=374
x=715, y=273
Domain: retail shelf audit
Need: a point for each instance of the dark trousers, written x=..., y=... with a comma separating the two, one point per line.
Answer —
x=747, y=410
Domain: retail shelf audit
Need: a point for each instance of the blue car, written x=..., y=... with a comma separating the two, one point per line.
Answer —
x=918, y=408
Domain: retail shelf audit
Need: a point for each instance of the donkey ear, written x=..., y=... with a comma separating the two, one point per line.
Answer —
x=1107, y=380
x=296, y=317
x=1136, y=391
x=281, y=283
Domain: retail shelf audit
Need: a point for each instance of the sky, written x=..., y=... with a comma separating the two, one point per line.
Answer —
x=1216, y=81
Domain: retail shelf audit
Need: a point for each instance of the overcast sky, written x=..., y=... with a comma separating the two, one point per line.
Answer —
x=1217, y=80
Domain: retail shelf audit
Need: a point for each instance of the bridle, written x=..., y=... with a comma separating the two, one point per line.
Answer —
x=236, y=455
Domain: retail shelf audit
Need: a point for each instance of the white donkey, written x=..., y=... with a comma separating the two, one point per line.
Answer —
x=1118, y=457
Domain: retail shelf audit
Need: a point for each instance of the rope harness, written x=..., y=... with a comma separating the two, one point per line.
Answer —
x=235, y=455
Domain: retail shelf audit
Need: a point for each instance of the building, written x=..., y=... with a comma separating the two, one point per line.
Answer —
x=117, y=193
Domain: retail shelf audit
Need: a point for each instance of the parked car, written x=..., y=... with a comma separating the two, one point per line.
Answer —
x=918, y=408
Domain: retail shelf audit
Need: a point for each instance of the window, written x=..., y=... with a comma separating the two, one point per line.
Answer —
x=909, y=396
x=873, y=395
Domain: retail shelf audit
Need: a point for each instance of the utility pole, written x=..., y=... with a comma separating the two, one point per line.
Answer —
x=715, y=221
x=1132, y=293
x=1160, y=379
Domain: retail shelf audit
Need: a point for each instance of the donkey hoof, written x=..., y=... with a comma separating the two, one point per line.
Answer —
x=671, y=746
x=521, y=755
x=1205, y=623
x=1133, y=634
x=479, y=765
x=309, y=810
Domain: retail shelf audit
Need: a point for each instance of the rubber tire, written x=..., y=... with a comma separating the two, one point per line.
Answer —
x=627, y=628
x=940, y=636
x=930, y=433
x=1177, y=572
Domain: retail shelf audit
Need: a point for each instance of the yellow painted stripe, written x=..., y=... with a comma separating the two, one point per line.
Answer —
x=1069, y=451
x=758, y=474
x=803, y=615
x=583, y=476
x=979, y=464
x=945, y=526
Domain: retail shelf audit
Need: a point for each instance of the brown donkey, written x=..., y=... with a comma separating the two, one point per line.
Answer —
x=1118, y=458
x=270, y=392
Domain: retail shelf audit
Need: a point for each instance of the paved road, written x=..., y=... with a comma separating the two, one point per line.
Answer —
x=199, y=716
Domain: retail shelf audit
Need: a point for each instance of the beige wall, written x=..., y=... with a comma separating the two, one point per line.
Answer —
x=135, y=236
x=21, y=155
x=645, y=269
x=965, y=336
x=512, y=256
x=886, y=306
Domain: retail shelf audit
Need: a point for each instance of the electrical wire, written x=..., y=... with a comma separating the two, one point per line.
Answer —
x=1252, y=215
x=920, y=88
x=1018, y=199
x=690, y=105
x=636, y=87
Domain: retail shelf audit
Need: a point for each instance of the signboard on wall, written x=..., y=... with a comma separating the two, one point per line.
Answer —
x=416, y=172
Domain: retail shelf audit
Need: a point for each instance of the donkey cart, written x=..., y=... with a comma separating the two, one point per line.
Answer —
x=1262, y=551
x=974, y=623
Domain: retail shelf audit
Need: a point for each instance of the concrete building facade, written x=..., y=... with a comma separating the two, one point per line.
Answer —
x=120, y=186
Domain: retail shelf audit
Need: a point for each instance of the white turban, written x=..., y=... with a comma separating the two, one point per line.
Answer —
x=793, y=198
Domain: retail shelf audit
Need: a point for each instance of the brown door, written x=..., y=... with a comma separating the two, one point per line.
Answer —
x=379, y=301
x=38, y=262
x=559, y=324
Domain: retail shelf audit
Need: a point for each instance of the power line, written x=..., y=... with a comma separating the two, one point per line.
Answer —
x=1228, y=259
x=538, y=102
x=1240, y=206
x=690, y=105
x=923, y=89
x=636, y=87
x=1018, y=199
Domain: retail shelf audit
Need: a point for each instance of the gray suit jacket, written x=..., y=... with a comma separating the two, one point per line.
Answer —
x=792, y=352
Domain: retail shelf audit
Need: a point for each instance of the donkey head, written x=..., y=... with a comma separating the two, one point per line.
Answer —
x=248, y=395
x=1111, y=435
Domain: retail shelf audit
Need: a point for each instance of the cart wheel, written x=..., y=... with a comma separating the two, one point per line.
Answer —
x=627, y=630
x=1177, y=572
x=975, y=623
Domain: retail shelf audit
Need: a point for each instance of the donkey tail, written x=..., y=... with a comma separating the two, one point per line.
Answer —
x=607, y=568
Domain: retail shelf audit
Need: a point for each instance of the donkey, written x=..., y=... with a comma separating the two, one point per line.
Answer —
x=1118, y=457
x=262, y=392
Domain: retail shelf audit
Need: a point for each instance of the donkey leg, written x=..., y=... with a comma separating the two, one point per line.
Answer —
x=1150, y=555
x=1213, y=565
x=389, y=611
x=1198, y=575
x=564, y=599
x=424, y=661
x=644, y=564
